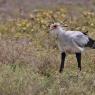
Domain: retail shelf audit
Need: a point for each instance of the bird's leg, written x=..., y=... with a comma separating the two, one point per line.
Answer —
x=78, y=56
x=63, y=55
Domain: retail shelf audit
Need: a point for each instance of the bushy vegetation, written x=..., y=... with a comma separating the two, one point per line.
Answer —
x=30, y=59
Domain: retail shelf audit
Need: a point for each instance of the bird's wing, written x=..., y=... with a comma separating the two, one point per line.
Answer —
x=78, y=37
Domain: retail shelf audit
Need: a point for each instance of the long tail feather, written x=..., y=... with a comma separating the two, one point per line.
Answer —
x=91, y=43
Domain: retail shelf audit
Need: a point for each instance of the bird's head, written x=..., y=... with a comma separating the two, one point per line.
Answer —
x=56, y=28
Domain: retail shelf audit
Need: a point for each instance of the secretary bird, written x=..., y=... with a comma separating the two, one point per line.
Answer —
x=70, y=42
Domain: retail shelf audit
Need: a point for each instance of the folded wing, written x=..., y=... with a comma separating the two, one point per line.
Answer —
x=79, y=38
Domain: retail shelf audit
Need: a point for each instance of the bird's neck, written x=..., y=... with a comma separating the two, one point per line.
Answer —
x=61, y=30
x=58, y=32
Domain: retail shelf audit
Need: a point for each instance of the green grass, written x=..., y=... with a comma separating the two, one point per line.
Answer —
x=30, y=59
x=23, y=80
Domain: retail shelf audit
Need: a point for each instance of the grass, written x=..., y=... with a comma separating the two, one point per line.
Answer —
x=30, y=59
x=23, y=80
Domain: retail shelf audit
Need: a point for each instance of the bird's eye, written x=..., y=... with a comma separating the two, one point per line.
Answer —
x=55, y=26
